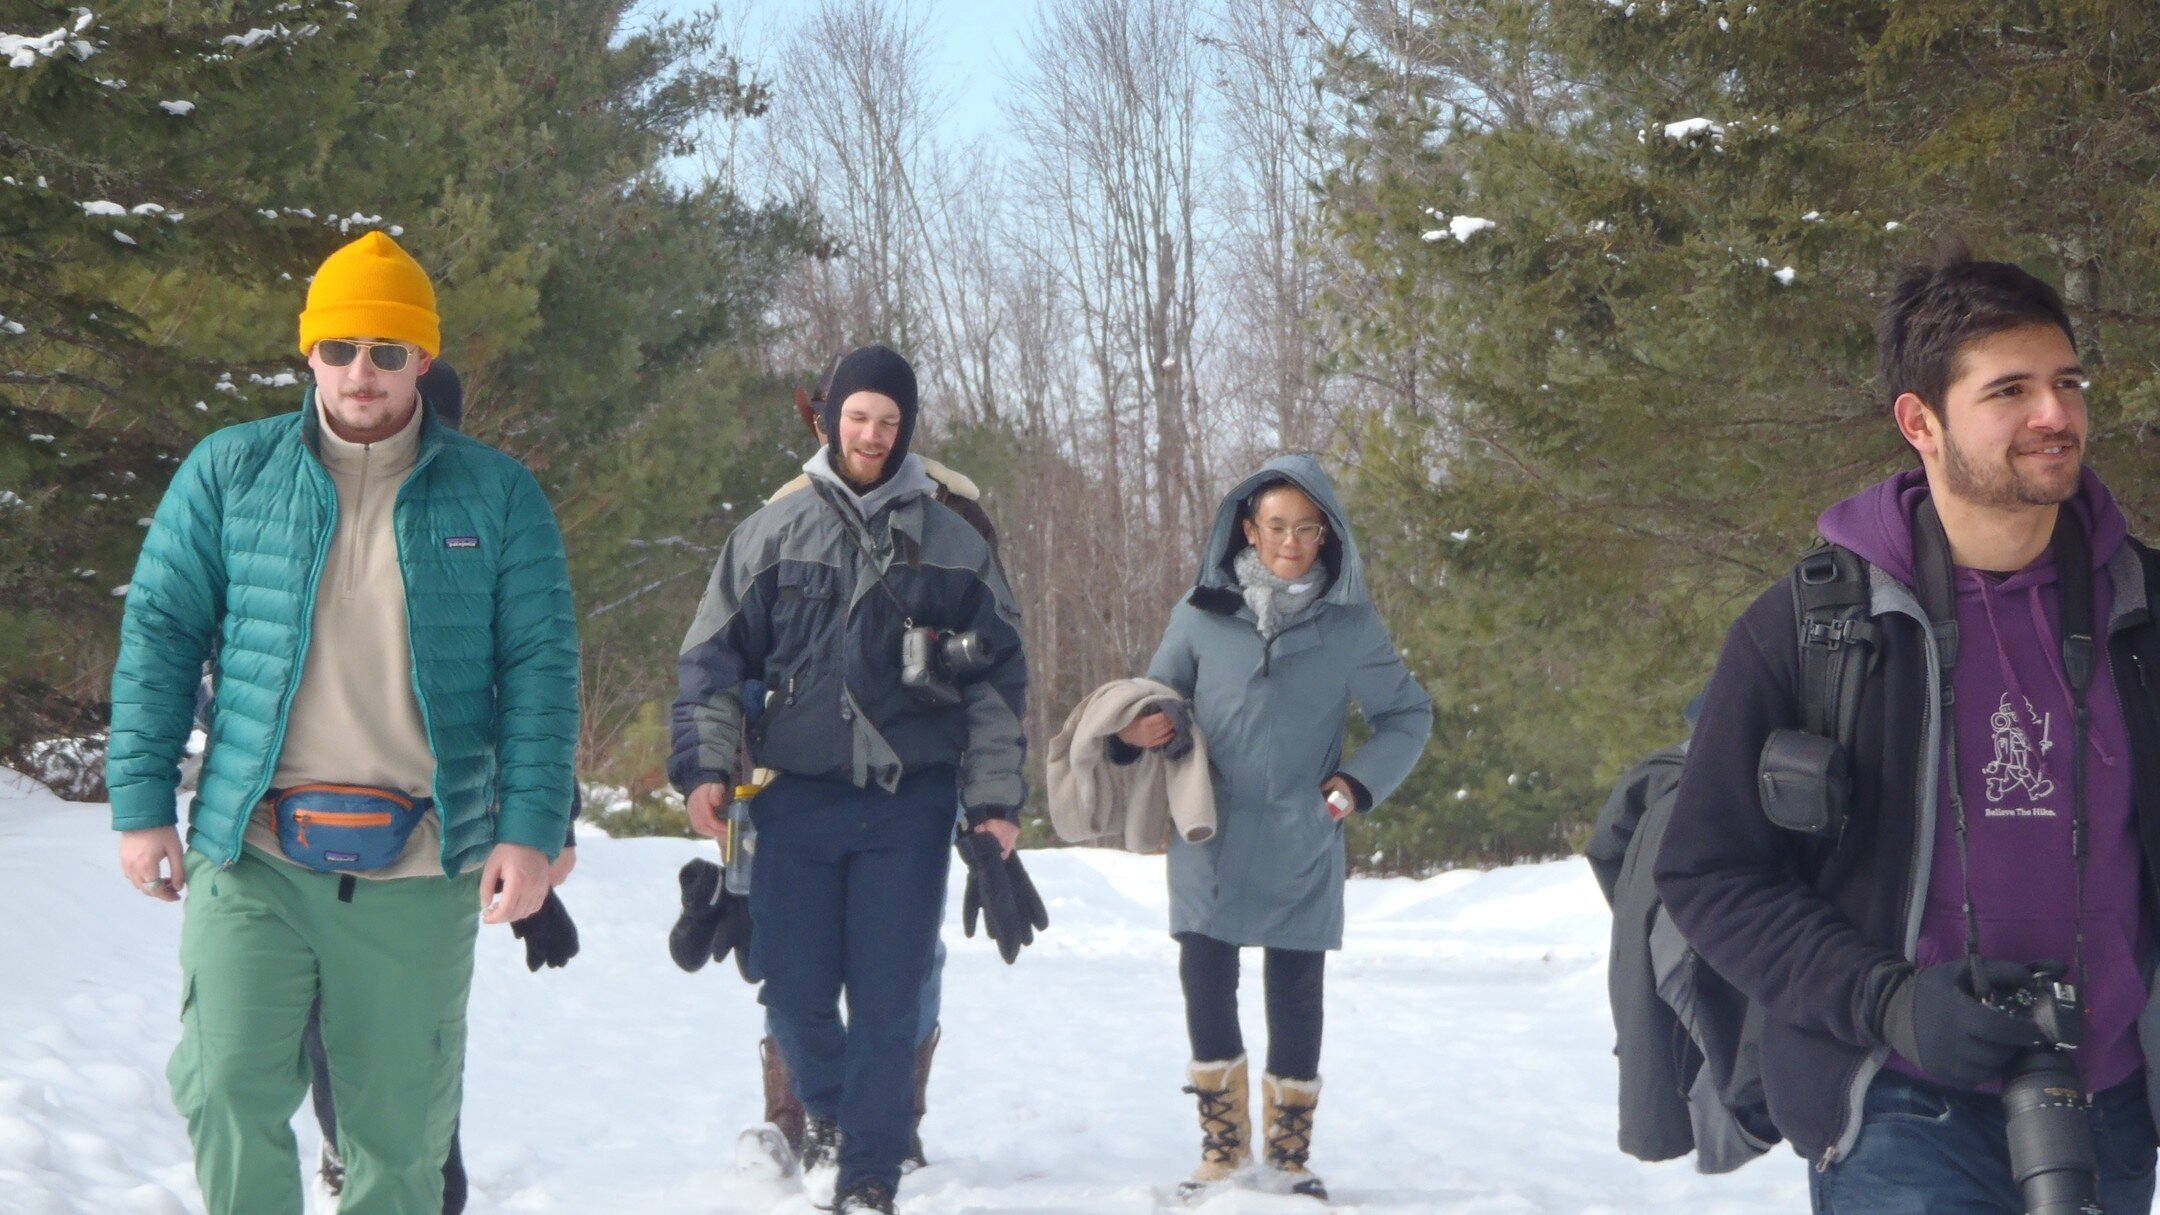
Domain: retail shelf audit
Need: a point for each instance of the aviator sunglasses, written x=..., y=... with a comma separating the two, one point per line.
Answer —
x=387, y=356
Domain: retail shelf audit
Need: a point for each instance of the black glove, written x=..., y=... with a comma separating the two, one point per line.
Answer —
x=549, y=935
x=1933, y=1018
x=691, y=942
x=1000, y=891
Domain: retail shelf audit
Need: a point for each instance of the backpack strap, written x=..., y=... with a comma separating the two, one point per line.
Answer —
x=1838, y=639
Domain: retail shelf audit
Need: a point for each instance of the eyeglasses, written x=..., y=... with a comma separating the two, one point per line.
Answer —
x=387, y=356
x=1303, y=533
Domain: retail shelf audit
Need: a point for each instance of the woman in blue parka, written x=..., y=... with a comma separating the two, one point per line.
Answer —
x=1275, y=641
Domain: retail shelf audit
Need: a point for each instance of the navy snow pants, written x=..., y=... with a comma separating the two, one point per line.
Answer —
x=847, y=895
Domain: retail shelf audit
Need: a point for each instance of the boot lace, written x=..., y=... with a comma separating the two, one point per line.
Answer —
x=1290, y=1139
x=1218, y=1124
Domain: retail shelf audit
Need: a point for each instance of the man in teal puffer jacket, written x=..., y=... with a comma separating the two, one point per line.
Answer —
x=388, y=607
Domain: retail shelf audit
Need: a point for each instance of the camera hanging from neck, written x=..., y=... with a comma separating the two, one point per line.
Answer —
x=1938, y=597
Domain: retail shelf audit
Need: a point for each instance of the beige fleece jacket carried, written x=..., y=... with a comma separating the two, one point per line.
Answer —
x=355, y=718
x=1132, y=804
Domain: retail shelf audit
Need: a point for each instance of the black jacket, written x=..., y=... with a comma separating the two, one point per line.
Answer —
x=1813, y=930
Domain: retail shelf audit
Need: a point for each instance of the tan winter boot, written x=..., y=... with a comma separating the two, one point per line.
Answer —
x=1288, y=1126
x=1225, y=1123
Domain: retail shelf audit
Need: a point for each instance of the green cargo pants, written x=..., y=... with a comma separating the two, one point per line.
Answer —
x=393, y=966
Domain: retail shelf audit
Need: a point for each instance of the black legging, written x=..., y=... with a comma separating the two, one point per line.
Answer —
x=1209, y=969
x=453, y=1171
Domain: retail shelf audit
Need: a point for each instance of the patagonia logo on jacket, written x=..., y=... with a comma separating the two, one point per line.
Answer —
x=462, y=542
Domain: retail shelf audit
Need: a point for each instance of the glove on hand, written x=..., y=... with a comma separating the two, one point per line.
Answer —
x=549, y=935
x=1000, y=891
x=1933, y=1018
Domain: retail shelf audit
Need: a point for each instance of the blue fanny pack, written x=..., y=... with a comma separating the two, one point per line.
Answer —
x=337, y=828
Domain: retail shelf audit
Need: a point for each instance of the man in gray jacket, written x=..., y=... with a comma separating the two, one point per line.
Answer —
x=885, y=629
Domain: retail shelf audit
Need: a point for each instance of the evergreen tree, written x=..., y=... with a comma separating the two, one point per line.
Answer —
x=141, y=147
x=1630, y=254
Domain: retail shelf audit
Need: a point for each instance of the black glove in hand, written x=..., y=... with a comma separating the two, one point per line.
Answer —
x=690, y=942
x=713, y=922
x=1933, y=1019
x=549, y=935
x=1000, y=891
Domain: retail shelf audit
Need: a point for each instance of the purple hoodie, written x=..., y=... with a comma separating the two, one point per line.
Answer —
x=2014, y=719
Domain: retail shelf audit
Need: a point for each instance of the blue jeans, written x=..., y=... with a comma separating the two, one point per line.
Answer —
x=1924, y=1151
x=847, y=896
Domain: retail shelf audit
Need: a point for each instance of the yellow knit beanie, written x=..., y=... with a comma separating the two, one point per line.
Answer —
x=371, y=288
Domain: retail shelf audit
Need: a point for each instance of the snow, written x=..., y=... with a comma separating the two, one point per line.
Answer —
x=11, y=327
x=1689, y=128
x=102, y=207
x=122, y=237
x=1462, y=228
x=1785, y=276
x=254, y=37
x=177, y=108
x=1468, y=1065
x=22, y=50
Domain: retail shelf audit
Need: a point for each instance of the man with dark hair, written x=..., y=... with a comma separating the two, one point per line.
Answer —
x=1879, y=869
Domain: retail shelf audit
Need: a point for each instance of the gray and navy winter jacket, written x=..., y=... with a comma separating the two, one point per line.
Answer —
x=811, y=598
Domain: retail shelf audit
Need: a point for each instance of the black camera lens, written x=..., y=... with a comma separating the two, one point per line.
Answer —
x=2050, y=1132
x=963, y=653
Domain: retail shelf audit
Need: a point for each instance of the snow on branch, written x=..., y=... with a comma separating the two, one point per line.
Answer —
x=1461, y=227
x=22, y=51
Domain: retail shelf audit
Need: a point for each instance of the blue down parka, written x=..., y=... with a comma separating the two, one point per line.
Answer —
x=230, y=568
x=1273, y=715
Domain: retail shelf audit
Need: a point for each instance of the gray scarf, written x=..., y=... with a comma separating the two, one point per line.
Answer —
x=1276, y=600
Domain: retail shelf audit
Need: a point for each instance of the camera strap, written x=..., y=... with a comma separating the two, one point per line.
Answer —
x=1937, y=587
x=855, y=529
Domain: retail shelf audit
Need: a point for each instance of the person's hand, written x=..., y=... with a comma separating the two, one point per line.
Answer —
x=1933, y=1018
x=1147, y=731
x=565, y=861
x=143, y=850
x=1337, y=784
x=513, y=883
x=708, y=805
x=1007, y=833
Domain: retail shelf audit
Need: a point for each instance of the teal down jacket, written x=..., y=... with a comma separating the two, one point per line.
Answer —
x=229, y=570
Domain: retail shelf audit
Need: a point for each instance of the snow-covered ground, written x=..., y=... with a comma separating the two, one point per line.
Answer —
x=1468, y=1062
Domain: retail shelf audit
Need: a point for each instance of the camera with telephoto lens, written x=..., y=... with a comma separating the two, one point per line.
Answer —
x=933, y=660
x=2044, y=1104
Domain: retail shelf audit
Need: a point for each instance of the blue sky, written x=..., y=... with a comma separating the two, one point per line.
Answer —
x=980, y=44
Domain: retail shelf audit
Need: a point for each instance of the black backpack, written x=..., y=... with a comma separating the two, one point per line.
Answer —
x=1688, y=1041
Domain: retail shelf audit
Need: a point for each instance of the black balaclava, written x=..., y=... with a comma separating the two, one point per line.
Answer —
x=870, y=369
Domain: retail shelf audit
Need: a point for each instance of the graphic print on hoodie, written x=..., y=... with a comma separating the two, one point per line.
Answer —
x=2014, y=730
